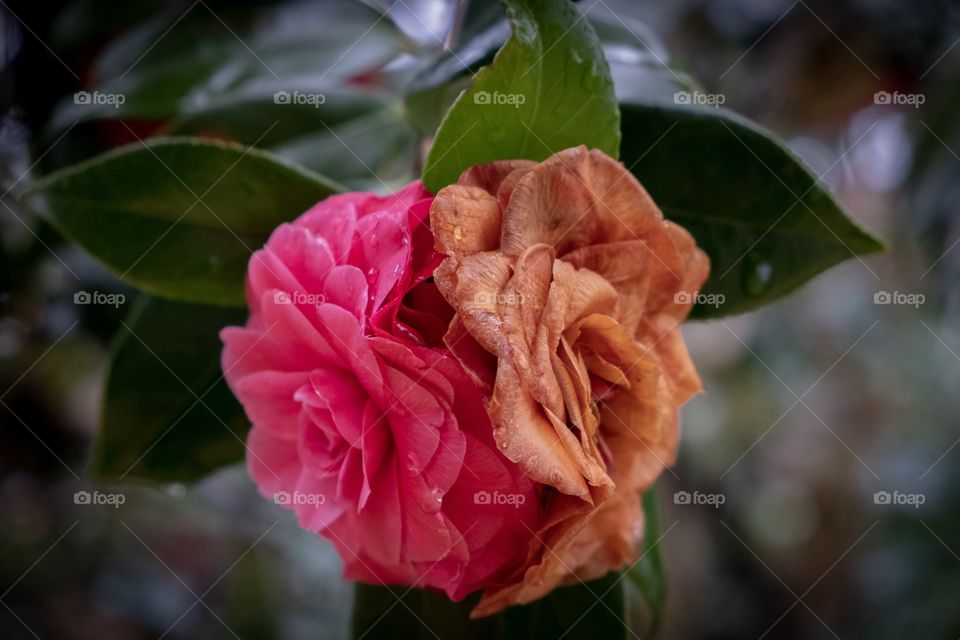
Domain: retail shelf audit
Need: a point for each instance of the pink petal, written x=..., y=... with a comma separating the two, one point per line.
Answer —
x=346, y=287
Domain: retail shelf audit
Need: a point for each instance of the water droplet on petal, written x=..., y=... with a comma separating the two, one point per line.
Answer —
x=412, y=466
x=433, y=503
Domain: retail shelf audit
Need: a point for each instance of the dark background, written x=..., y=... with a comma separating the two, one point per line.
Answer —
x=812, y=406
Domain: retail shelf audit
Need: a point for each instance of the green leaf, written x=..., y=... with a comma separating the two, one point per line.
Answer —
x=483, y=31
x=369, y=153
x=585, y=611
x=548, y=89
x=359, y=140
x=404, y=612
x=83, y=22
x=258, y=119
x=640, y=64
x=168, y=415
x=178, y=217
x=185, y=64
x=647, y=574
x=762, y=217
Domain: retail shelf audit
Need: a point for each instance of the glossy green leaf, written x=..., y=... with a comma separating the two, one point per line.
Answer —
x=766, y=222
x=548, y=89
x=168, y=415
x=585, y=611
x=640, y=65
x=178, y=218
x=647, y=574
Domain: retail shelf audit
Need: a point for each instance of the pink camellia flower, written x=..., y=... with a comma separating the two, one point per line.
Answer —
x=363, y=423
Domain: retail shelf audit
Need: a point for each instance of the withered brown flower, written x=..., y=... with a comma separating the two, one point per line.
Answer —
x=568, y=287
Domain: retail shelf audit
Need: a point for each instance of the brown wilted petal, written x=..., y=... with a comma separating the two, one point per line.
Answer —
x=564, y=277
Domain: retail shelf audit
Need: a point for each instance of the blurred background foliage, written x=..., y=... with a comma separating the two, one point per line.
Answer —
x=812, y=406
